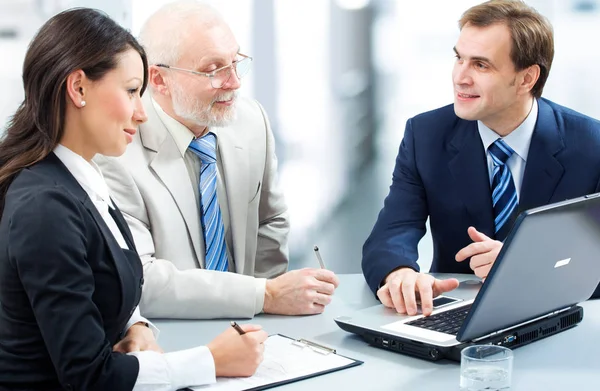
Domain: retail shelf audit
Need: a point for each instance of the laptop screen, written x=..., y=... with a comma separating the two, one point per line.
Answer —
x=549, y=261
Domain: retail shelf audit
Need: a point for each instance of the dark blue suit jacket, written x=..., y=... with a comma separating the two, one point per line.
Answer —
x=67, y=289
x=442, y=173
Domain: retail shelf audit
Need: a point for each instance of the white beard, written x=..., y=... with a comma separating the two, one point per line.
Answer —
x=193, y=110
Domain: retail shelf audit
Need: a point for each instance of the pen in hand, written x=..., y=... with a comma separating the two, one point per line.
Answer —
x=318, y=255
x=237, y=328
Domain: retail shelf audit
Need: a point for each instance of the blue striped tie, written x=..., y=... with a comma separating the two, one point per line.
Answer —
x=210, y=216
x=504, y=194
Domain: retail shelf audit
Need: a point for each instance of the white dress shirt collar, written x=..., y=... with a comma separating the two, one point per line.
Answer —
x=519, y=139
x=86, y=173
x=180, y=133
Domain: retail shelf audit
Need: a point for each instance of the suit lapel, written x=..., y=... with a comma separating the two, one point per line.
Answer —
x=468, y=167
x=234, y=157
x=169, y=166
x=120, y=260
x=542, y=170
x=122, y=225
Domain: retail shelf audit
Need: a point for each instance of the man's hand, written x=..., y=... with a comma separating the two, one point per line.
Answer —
x=139, y=337
x=238, y=355
x=300, y=292
x=404, y=285
x=483, y=253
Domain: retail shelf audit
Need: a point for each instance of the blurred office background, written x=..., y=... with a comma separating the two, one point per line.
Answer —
x=339, y=78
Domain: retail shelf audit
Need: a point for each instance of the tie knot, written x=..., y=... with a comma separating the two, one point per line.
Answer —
x=500, y=152
x=206, y=148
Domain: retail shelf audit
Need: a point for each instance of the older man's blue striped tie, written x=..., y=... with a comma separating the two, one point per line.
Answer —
x=210, y=212
x=504, y=194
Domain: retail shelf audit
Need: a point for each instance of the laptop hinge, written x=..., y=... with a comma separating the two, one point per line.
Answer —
x=522, y=324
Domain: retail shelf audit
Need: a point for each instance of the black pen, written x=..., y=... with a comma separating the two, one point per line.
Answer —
x=318, y=255
x=237, y=328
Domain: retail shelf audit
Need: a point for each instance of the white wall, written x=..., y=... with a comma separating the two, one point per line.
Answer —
x=24, y=18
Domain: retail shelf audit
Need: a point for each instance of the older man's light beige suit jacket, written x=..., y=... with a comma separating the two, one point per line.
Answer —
x=151, y=185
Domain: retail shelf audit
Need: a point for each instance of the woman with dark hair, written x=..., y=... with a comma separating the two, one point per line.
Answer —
x=70, y=279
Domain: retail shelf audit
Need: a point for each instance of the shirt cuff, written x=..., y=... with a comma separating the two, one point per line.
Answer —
x=172, y=371
x=261, y=287
x=137, y=317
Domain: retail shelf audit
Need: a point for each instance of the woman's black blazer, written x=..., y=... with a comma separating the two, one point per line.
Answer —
x=67, y=289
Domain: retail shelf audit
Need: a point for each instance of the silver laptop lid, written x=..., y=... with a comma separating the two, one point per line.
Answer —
x=549, y=261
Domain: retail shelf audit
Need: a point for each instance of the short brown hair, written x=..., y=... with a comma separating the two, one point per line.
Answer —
x=531, y=33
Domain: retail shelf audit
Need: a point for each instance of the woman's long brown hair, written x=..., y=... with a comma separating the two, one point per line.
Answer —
x=80, y=38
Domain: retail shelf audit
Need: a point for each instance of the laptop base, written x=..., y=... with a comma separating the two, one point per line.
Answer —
x=515, y=338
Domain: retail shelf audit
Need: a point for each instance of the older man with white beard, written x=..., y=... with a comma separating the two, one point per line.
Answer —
x=198, y=184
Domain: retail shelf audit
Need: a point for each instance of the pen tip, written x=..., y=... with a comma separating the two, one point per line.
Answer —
x=316, y=248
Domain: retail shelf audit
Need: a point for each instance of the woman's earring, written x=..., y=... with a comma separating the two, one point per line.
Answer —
x=82, y=103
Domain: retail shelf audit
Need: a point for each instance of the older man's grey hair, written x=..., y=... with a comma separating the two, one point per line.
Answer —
x=164, y=32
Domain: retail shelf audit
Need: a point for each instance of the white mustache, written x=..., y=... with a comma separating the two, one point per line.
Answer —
x=225, y=97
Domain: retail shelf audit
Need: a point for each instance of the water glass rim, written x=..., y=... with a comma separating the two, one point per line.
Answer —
x=508, y=353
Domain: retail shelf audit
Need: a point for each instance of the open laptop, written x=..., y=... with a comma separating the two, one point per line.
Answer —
x=550, y=261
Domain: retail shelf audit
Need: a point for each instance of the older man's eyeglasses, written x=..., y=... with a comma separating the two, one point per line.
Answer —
x=221, y=76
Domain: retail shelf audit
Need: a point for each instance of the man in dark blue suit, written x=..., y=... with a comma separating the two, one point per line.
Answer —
x=472, y=166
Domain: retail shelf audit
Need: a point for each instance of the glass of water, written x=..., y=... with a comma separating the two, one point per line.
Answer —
x=485, y=367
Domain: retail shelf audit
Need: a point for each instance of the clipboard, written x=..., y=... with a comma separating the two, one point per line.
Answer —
x=279, y=366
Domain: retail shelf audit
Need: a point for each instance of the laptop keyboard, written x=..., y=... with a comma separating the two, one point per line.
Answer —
x=445, y=322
